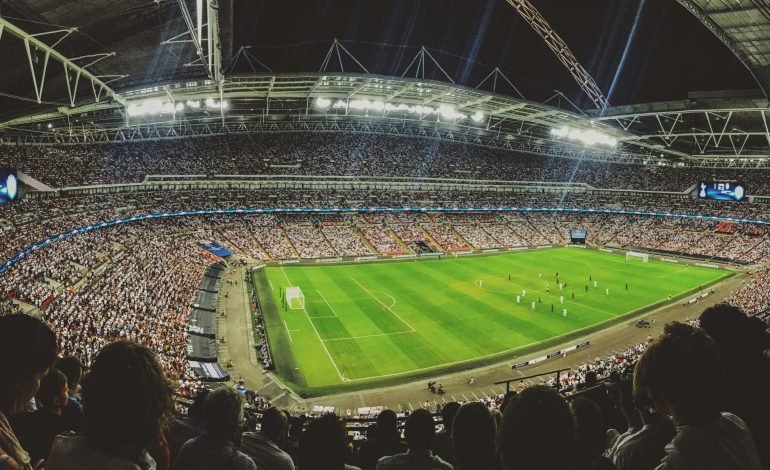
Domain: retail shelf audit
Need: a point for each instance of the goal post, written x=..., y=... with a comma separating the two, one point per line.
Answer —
x=295, y=299
x=636, y=256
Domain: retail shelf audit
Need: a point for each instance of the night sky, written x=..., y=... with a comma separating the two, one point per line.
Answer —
x=637, y=50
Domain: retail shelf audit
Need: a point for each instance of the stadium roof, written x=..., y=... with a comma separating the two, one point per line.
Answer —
x=744, y=27
x=127, y=52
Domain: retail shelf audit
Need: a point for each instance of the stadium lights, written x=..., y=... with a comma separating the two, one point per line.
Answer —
x=169, y=107
x=589, y=137
x=444, y=110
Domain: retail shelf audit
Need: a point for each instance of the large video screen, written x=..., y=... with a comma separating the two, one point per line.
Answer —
x=721, y=190
x=9, y=185
x=577, y=233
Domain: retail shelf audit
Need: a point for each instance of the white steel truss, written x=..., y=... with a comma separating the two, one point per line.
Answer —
x=88, y=133
x=72, y=71
x=207, y=45
x=736, y=134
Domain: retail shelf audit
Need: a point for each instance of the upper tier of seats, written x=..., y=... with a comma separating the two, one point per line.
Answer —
x=336, y=154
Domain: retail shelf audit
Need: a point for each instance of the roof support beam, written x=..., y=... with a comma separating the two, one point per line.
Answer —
x=32, y=41
x=214, y=44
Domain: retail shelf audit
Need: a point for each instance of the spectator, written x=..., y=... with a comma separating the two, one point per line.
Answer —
x=184, y=428
x=442, y=444
x=28, y=348
x=322, y=445
x=37, y=430
x=127, y=402
x=589, y=435
x=385, y=441
x=537, y=431
x=625, y=403
x=473, y=438
x=291, y=446
x=216, y=448
x=742, y=343
x=264, y=447
x=682, y=373
x=420, y=431
x=72, y=413
x=642, y=448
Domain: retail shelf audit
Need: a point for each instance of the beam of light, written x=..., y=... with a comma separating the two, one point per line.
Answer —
x=478, y=38
x=629, y=40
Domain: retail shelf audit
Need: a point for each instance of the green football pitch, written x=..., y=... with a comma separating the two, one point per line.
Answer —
x=372, y=324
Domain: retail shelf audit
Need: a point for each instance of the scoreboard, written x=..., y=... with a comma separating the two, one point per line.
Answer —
x=9, y=185
x=577, y=235
x=721, y=190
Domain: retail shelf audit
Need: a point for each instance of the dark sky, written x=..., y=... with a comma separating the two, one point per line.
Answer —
x=637, y=50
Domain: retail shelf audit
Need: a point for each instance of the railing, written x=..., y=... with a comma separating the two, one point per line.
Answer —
x=519, y=379
x=300, y=182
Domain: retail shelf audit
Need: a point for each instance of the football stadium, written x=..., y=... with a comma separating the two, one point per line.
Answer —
x=493, y=235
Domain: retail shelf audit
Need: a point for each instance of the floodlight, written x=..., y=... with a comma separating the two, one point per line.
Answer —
x=477, y=116
x=590, y=137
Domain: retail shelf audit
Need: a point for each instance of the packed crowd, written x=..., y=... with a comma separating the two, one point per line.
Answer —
x=753, y=297
x=382, y=240
x=62, y=265
x=669, y=405
x=329, y=154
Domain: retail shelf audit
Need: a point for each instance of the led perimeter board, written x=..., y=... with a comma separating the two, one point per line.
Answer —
x=721, y=190
x=9, y=185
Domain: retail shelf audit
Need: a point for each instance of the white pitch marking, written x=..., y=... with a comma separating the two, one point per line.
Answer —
x=287, y=277
x=317, y=334
x=378, y=300
x=288, y=330
x=388, y=295
x=271, y=284
x=368, y=336
x=327, y=303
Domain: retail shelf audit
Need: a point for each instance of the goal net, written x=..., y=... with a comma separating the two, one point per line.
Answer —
x=636, y=256
x=295, y=299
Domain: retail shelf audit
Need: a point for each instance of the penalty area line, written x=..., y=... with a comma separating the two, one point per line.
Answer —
x=378, y=300
x=369, y=336
x=327, y=303
x=288, y=330
x=310, y=320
